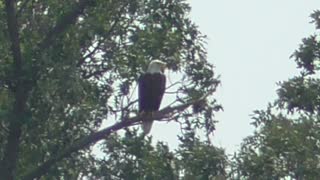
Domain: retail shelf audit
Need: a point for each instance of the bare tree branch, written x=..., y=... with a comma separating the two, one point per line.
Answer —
x=90, y=54
x=173, y=84
x=104, y=133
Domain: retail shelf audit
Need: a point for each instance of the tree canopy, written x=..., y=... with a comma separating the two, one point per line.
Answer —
x=286, y=142
x=70, y=67
x=68, y=83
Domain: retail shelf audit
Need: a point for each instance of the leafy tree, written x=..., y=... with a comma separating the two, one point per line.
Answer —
x=133, y=157
x=286, y=141
x=200, y=160
x=69, y=67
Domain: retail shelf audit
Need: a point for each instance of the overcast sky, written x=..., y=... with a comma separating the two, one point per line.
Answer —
x=249, y=42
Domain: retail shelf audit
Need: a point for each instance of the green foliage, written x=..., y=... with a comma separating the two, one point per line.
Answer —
x=300, y=94
x=308, y=55
x=133, y=157
x=286, y=141
x=281, y=147
x=200, y=160
x=80, y=62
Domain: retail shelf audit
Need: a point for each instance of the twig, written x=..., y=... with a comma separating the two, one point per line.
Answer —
x=171, y=92
x=82, y=60
x=173, y=84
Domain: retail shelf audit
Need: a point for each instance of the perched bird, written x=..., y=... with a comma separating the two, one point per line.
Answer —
x=152, y=85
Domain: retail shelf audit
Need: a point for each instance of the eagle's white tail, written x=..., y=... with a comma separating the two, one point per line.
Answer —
x=146, y=126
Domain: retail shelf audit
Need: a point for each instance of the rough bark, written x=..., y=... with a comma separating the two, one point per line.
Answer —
x=10, y=157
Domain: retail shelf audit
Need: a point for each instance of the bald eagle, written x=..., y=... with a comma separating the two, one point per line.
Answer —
x=151, y=89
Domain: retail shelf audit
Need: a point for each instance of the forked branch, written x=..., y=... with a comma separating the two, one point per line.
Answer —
x=104, y=133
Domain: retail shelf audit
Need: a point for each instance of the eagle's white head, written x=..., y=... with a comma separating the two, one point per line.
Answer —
x=156, y=66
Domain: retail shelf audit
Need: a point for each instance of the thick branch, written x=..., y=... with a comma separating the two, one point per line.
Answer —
x=64, y=22
x=10, y=155
x=102, y=134
x=14, y=34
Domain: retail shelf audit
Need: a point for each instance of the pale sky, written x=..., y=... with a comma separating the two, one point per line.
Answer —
x=249, y=42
